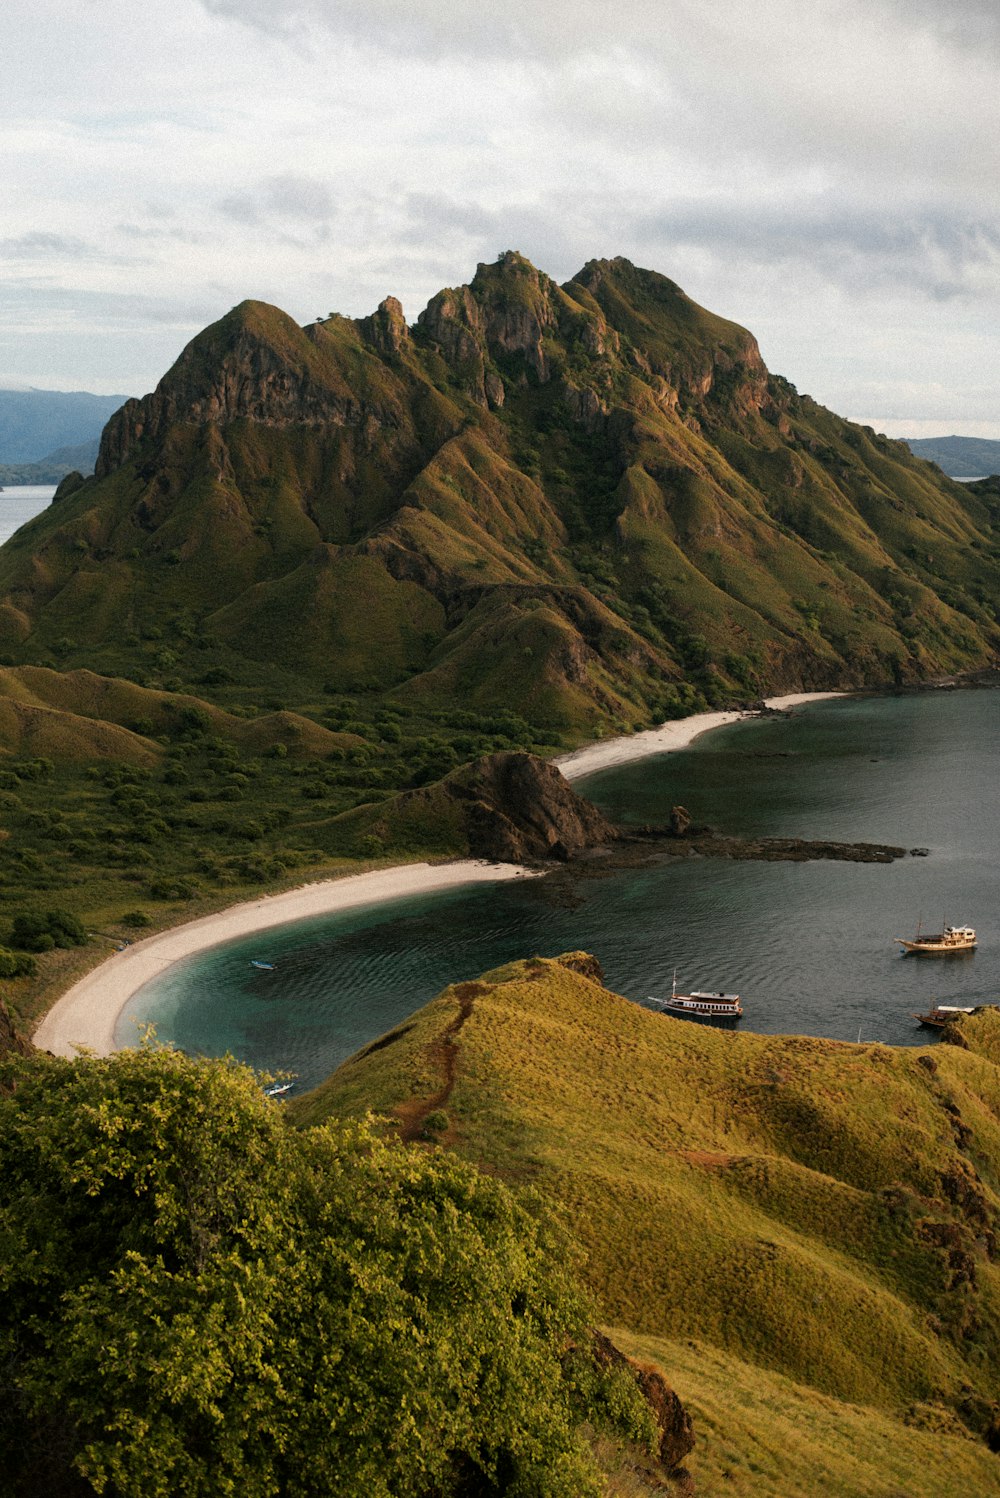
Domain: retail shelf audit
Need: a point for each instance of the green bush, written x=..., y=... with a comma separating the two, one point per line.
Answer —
x=32, y=932
x=16, y=964
x=199, y=1299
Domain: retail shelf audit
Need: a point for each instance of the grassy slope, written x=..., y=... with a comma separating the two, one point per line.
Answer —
x=802, y=1209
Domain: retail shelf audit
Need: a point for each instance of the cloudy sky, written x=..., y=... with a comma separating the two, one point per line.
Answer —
x=826, y=172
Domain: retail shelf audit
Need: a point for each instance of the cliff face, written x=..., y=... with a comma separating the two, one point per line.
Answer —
x=591, y=503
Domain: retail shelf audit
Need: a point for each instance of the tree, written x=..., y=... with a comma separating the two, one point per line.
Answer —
x=196, y=1298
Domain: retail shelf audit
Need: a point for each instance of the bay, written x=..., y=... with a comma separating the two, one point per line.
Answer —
x=20, y=503
x=809, y=946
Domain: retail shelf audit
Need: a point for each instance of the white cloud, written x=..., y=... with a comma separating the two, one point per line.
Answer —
x=825, y=171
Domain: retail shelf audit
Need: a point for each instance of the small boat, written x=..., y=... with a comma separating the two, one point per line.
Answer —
x=951, y=939
x=266, y=967
x=944, y=1014
x=720, y=1007
x=278, y=1089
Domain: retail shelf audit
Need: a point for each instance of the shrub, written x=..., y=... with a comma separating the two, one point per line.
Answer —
x=32, y=932
x=199, y=1299
x=16, y=964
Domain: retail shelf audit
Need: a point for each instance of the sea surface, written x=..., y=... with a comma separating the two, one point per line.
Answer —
x=809, y=946
x=20, y=503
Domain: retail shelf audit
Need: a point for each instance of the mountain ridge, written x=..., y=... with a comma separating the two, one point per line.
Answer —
x=605, y=467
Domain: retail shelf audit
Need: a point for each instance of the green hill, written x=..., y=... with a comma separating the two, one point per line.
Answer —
x=802, y=1233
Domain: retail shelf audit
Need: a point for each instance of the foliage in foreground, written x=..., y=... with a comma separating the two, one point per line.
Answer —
x=196, y=1299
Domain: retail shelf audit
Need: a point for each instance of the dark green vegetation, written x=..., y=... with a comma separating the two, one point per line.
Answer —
x=319, y=567
x=962, y=457
x=802, y=1233
x=197, y=1299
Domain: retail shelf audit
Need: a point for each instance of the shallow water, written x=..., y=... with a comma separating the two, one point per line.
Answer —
x=809, y=946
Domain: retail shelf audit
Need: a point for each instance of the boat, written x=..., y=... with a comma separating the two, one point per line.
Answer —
x=944, y=1014
x=719, y=1007
x=951, y=939
x=267, y=967
x=278, y=1089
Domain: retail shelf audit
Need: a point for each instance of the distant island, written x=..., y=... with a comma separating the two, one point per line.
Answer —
x=959, y=457
x=53, y=468
x=35, y=423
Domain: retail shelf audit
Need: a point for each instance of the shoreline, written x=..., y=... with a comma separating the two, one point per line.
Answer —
x=679, y=733
x=87, y=1014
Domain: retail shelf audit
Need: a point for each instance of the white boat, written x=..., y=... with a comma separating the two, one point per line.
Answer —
x=278, y=1089
x=267, y=967
x=951, y=939
x=720, y=1007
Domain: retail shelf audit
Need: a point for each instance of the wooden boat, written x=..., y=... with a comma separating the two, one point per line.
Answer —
x=719, y=1007
x=943, y=1014
x=951, y=939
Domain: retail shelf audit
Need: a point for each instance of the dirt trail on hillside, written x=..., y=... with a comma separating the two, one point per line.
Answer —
x=442, y=1054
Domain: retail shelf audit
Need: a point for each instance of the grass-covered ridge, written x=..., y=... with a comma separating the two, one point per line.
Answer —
x=815, y=1210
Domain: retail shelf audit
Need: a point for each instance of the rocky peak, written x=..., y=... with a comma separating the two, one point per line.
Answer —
x=504, y=312
x=686, y=353
x=256, y=364
x=385, y=330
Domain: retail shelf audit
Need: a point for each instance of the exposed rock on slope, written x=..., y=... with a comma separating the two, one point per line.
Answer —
x=509, y=807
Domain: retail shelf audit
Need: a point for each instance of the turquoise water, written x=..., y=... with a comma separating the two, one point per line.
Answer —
x=809, y=946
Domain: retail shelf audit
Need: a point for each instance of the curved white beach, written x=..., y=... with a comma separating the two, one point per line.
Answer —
x=87, y=1014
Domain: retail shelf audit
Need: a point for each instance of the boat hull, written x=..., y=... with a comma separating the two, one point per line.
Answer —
x=712, y=1017
x=935, y=949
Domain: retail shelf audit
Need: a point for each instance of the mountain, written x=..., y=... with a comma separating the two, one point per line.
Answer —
x=961, y=457
x=34, y=422
x=590, y=503
x=801, y=1233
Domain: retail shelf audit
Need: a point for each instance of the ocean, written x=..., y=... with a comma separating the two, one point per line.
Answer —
x=808, y=946
x=20, y=503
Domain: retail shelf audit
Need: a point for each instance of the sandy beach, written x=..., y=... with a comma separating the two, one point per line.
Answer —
x=674, y=735
x=87, y=1014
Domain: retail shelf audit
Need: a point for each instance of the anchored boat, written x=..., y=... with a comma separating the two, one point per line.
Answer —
x=720, y=1007
x=944, y=1014
x=942, y=943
